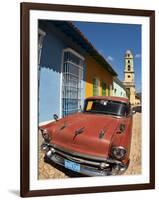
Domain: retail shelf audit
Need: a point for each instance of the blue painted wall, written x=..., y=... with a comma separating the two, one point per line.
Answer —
x=50, y=74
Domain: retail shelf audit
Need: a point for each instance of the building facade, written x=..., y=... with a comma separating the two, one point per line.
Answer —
x=119, y=89
x=137, y=100
x=61, y=73
x=99, y=80
x=70, y=69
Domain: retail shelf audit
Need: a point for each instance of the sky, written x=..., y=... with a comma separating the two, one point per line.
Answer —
x=112, y=40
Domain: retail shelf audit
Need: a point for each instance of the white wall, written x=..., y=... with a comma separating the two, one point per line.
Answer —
x=118, y=91
x=10, y=98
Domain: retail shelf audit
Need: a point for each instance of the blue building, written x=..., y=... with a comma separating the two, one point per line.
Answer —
x=61, y=71
x=62, y=50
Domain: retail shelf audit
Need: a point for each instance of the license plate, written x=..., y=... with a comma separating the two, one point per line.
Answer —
x=72, y=165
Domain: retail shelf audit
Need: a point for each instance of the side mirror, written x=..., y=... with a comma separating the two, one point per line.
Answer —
x=55, y=117
x=133, y=112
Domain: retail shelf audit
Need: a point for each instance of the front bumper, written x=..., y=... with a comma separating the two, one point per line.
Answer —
x=88, y=167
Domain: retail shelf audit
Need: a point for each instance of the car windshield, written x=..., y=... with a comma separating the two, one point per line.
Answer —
x=107, y=107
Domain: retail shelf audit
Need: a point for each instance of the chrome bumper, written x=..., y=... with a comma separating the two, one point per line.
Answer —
x=87, y=167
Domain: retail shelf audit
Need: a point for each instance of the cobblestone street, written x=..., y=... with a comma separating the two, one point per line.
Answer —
x=135, y=154
x=48, y=171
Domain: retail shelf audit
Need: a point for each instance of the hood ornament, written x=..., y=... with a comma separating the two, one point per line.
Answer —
x=79, y=131
x=101, y=134
x=63, y=126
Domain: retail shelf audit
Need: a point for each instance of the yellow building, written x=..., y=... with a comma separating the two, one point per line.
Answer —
x=99, y=77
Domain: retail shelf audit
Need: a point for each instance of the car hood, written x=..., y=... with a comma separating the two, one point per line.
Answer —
x=88, y=134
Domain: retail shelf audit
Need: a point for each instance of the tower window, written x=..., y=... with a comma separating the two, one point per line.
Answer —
x=128, y=76
x=128, y=55
x=128, y=67
x=128, y=61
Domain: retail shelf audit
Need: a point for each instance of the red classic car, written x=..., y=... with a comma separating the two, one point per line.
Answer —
x=94, y=142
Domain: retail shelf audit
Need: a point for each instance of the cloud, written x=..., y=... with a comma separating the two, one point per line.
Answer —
x=110, y=58
x=100, y=51
x=138, y=55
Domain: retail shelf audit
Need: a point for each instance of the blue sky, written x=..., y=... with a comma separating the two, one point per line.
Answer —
x=112, y=40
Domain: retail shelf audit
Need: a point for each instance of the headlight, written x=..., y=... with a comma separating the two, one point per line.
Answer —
x=45, y=135
x=118, y=152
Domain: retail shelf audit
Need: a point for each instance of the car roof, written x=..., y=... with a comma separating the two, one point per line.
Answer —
x=121, y=99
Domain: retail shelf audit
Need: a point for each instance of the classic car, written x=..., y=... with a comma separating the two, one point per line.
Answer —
x=93, y=142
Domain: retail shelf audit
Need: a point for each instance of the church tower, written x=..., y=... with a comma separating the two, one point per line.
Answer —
x=129, y=76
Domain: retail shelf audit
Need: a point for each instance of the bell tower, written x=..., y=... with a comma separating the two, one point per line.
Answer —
x=129, y=76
